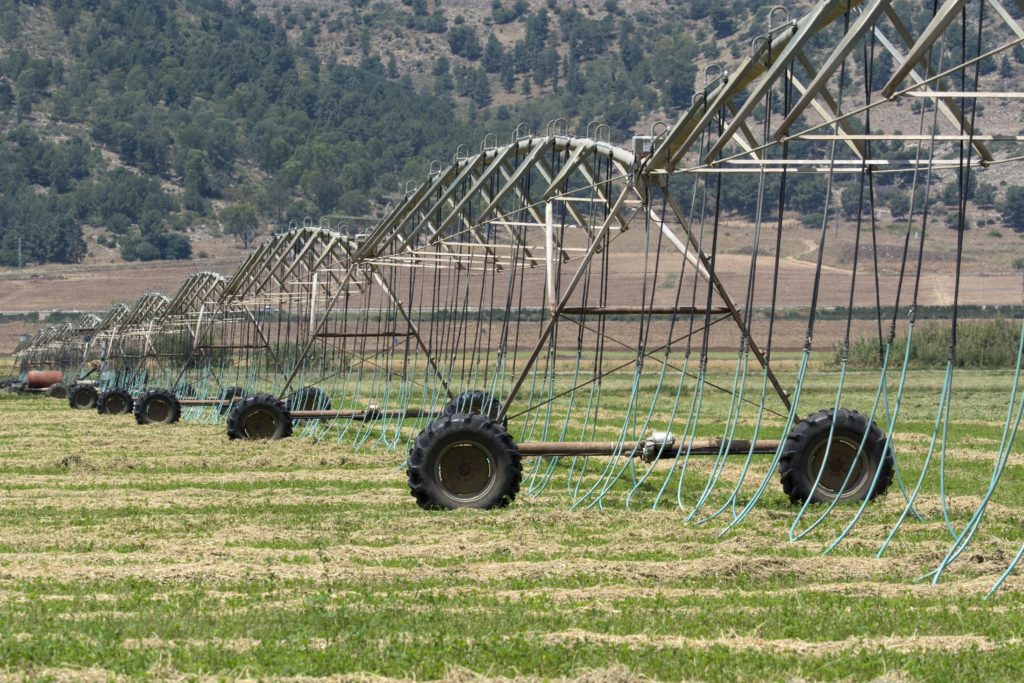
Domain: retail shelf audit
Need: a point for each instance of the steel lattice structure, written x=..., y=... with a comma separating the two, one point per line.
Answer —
x=504, y=307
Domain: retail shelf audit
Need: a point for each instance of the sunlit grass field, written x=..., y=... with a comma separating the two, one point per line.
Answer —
x=170, y=552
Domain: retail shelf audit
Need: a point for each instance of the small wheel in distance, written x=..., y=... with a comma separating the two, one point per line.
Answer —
x=477, y=403
x=115, y=402
x=58, y=390
x=259, y=417
x=157, y=406
x=845, y=475
x=308, y=398
x=464, y=461
x=227, y=398
x=82, y=396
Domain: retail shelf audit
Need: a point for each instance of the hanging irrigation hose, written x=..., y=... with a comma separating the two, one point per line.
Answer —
x=451, y=295
x=731, y=501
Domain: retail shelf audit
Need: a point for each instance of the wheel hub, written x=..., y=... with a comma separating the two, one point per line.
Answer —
x=466, y=470
x=842, y=458
x=259, y=424
x=158, y=410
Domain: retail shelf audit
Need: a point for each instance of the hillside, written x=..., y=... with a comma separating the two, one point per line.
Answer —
x=188, y=128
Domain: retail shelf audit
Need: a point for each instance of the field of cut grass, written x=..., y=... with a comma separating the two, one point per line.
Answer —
x=170, y=552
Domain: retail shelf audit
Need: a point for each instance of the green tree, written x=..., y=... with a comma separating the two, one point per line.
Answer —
x=899, y=204
x=674, y=69
x=494, y=55
x=508, y=74
x=240, y=220
x=985, y=195
x=464, y=42
x=1011, y=208
x=1018, y=265
x=1005, y=68
x=481, y=88
x=197, y=185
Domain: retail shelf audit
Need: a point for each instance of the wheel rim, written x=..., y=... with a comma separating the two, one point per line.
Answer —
x=465, y=470
x=83, y=399
x=116, y=405
x=841, y=457
x=158, y=410
x=259, y=423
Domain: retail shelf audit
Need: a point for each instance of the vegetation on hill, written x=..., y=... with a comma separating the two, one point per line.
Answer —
x=149, y=119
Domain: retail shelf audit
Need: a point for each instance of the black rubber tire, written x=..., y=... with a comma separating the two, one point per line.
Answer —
x=476, y=403
x=157, y=406
x=308, y=398
x=804, y=450
x=227, y=398
x=481, y=460
x=83, y=396
x=259, y=417
x=115, y=402
x=57, y=390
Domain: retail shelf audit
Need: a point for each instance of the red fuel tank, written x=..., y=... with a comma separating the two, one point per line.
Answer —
x=41, y=379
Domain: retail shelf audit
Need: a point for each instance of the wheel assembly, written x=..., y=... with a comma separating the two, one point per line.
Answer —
x=157, y=406
x=58, y=390
x=115, y=402
x=476, y=403
x=227, y=398
x=464, y=460
x=259, y=417
x=83, y=396
x=814, y=470
x=308, y=398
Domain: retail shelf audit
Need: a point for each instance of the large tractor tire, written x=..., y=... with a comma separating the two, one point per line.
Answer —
x=115, y=402
x=157, y=406
x=464, y=461
x=846, y=475
x=308, y=398
x=58, y=390
x=476, y=403
x=259, y=417
x=83, y=396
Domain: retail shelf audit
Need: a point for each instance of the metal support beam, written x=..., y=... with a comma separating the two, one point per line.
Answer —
x=947, y=106
x=780, y=61
x=942, y=19
x=860, y=26
x=413, y=330
x=569, y=289
x=724, y=295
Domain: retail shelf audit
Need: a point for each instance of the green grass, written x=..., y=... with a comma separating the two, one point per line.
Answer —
x=169, y=551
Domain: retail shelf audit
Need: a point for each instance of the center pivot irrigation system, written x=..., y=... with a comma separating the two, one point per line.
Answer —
x=558, y=297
